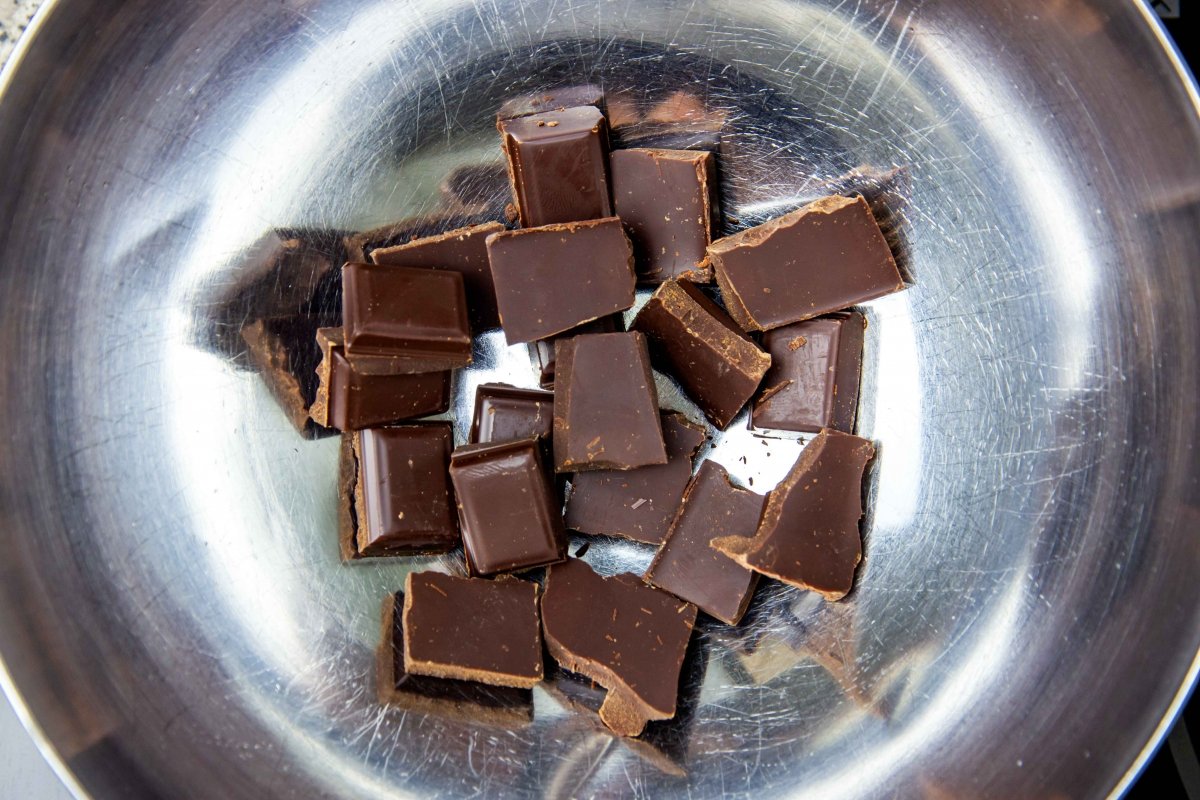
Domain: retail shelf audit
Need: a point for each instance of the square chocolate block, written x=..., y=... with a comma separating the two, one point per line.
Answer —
x=558, y=165
x=404, y=320
x=814, y=376
x=504, y=413
x=541, y=352
x=510, y=514
x=555, y=278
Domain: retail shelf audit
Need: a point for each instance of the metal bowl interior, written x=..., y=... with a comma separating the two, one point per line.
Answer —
x=173, y=615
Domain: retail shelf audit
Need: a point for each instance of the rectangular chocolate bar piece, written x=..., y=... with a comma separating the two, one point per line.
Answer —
x=555, y=278
x=396, y=491
x=504, y=413
x=640, y=503
x=814, y=376
x=629, y=637
x=695, y=342
x=508, y=509
x=542, y=351
x=466, y=701
x=348, y=400
x=687, y=567
x=808, y=535
x=404, y=320
x=665, y=199
x=562, y=97
x=826, y=256
x=471, y=629
x=605, y=404
x=558, y=165
x=464, y=251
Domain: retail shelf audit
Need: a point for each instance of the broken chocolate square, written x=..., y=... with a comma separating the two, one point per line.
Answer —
x=504, y=413
x=542, y=351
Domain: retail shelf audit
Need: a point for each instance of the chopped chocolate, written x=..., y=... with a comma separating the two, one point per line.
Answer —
x=814, y=375
x=504, y=413
x=464, y=251
x=692, y=339
x=629, y=637
x=509, y=511
x=397, y=492
x=557, y=163
x=542, y=351
x=471, y=629
x=826, y=256
x=664, y=197
x=468, y=701
x=637, y=503
x=808, y=535
x=348, y=401
x=586, y=94
x=687, y=567
x=404, y=320
x=551, y=279
x=605, y=404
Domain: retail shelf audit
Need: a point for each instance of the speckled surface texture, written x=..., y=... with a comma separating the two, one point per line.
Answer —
x=14, y=16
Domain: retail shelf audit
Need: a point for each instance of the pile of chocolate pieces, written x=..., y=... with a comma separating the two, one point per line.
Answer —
x=591, y=451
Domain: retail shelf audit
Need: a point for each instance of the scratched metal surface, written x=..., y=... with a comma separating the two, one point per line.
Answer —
x=172, y=611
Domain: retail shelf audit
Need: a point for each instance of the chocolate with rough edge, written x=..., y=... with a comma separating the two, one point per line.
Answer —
x=541, y=352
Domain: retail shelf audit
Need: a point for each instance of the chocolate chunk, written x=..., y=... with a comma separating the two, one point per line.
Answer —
x=348, y=401
x=509, y=511
x=396, y=491
x=466, y=701
x=464, y=251
x=814, y=375
x=586, y=94
x=504, y=413
x=404, y=320
x=697, y=343
x=605, y=404
x=823, y=257
x=664, y=197
x=552, y=279
x=629, y=637
x=637, y=503
x=808, y=535
x=687, y=567
x=542, y=351
x=557, y=162
x=472, y=629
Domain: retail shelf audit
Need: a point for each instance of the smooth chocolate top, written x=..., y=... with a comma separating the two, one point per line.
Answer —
x=605, y=404
x=510, y=513
x=808, y=535
x=637, y=503
x=464, y=251
x=585, y=94
x=687, y=567
x=504, y=413
x=826, y=256
x=472, y=629
x=664, y=197
x=619, y=632
x=403, y=501
x=555, y=278
x=404, y=320
x=814, y=376
x=558, y=165
x=542, y=351
x=694, y=341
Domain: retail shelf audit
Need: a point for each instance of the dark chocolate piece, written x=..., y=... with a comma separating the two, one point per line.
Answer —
x=471, y=629
x=687, y=567
x=808, y=535
x=586, y=94
x=399, y=491
x=637, y=503
x=814, y=375
x=629, y=637
x=605, y=404
x=555, y=278
x=348, y=401
x=826, y=256
x=466, y=701
x=510, y=513
x=542, y=351
x=464, y=251
x=404, y=320
x=697, y=343
x=664, y=197
x=504, y=413
x=558, y=165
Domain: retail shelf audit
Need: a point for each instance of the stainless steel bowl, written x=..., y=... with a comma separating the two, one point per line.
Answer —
x=173, y=616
